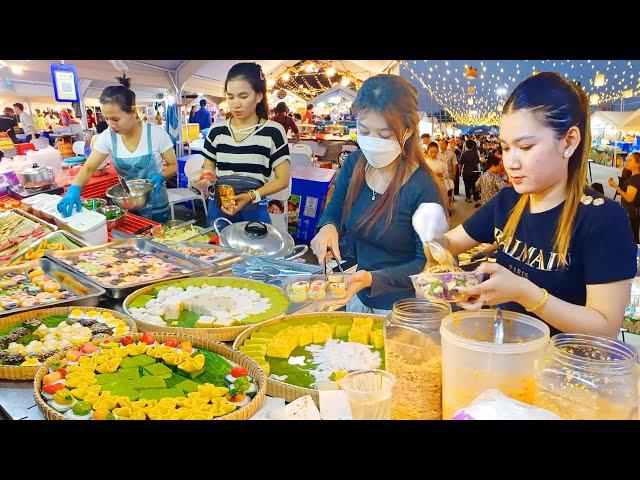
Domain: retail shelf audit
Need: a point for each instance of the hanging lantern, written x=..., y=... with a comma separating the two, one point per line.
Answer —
x=628, y=93
x=471, y=90
x=471, y=73
x=281, y=94
x=470, y=101
x=594, y=99
x=599, y=79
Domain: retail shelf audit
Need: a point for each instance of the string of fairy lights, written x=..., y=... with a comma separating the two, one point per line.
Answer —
x=296, y=79
x=473, y=92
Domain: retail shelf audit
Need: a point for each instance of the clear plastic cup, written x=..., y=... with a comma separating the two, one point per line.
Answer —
x=369, y=393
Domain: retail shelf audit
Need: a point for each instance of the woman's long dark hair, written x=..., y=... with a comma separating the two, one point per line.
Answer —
x=397, y=100
x=251, y=73
x=559, y=105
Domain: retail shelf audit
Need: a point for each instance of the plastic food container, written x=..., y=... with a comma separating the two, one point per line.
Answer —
x=30, y=201
x=413, y=354
x=85, y=224
x=586, y=377
x=472, y=363
x=444, y=287
x=41, y=208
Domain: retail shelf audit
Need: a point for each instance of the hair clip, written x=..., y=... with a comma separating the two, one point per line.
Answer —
x=261, y=74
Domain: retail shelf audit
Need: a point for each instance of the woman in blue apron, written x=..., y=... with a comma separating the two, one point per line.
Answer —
x=247, y=151
x=139, y=151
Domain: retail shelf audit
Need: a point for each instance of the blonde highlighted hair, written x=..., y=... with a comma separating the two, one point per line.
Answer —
x=559, y=105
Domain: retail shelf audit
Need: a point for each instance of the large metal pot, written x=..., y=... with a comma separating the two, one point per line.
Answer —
x=37, y=177
x=260, y=239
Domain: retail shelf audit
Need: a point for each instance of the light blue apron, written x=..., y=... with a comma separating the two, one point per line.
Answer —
x=143, y=167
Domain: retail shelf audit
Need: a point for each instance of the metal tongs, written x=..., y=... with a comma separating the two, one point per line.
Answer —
x=498, y=326
x=125, y=187
x=183, y=224
x=337, y=263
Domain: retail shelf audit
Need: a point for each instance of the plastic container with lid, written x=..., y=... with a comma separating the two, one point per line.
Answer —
x=29, y=202
x=586, y=377
x=473, y=363
x=413, y=355
x=85, y=224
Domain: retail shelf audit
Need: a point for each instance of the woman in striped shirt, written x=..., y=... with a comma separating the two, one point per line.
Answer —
x=247, y=145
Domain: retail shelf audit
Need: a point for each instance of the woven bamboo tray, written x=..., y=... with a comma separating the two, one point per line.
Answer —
x=276, y=388
x=220, y=334
x=16, y=372
x=243, y=413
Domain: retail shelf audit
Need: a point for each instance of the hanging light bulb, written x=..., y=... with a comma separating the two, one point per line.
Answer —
x=309, y=68
x=271, y=82
x=470, y=101
x=599, y=79
x=345, y=81
x=331, y=72
x=594, y=99
x=628, y=93
x=286, y=77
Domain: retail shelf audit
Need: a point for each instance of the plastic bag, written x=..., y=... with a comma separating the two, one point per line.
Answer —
x=494, y=405
x=430, y=221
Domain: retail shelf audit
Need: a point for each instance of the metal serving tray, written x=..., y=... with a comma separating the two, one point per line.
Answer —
x=70, y=237
x=51, y=228
x=193, y=267
x=87, y=294
x=222, y=265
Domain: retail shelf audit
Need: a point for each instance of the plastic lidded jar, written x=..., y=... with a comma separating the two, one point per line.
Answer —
x=473, y=363
x=586, y=377
x=413, y=355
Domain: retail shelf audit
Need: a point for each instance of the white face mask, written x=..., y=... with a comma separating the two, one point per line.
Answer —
x=379, y=152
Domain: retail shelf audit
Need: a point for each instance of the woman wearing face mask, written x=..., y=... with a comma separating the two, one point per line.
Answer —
x=377, y=192
x=138, y=152
x=248, y=147
x=564, y=254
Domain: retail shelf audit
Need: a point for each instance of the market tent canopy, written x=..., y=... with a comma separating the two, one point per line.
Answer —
x=632, y=123
x=344, y=93
x=615, y=119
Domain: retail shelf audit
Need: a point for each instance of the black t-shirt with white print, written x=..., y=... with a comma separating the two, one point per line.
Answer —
x=602, y=249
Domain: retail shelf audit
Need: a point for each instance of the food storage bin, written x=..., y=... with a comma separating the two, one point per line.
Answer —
x=29, y=202
x=85, y=224
x=413, y=355
x=472, y=363
x=587, y=377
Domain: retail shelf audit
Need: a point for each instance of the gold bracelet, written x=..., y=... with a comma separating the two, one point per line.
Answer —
x=541, y=303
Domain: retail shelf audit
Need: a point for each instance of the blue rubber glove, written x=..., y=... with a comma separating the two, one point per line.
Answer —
x=157, y=179
x=70, y=200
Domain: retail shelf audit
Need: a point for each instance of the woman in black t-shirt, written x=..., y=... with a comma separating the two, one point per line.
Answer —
x=630, y=198
x=564, y=254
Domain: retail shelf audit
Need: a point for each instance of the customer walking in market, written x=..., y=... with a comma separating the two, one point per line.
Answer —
x=8, y=123
x=202, y=116
x=307, y=118
x=247, y=148
x=490, y=182
x=448, y=157
x=470, y=168
x=138, y=152
x=286, y=121
x=26, y=121
x=629, y=197
x=563, y=254
x=378, y=189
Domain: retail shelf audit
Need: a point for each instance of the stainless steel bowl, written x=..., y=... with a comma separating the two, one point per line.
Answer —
x=140, y=194
x=115, y=222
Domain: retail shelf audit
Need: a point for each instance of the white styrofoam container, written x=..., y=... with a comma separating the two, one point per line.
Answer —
x=44, y=207
x=39, y=206
x=88, y=225
x=31, y=201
